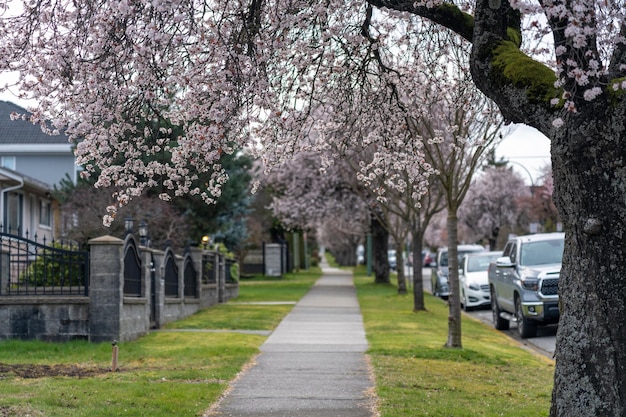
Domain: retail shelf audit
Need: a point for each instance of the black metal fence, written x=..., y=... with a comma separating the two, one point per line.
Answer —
x=231, y=271
x=171, y=275
x=209, y=268
x=32, y=267
x=190, y=283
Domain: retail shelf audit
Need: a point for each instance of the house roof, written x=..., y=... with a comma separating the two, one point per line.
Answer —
x=11, y=178
x=23, y=132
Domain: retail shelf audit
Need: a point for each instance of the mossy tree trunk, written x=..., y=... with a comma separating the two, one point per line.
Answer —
x=589, y=168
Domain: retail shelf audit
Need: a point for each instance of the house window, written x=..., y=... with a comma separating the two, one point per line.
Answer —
x=8, y=162
x=13, y=211
x=45, y=213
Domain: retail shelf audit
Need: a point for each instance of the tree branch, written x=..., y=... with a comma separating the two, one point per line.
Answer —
x=448, y=15
x=520, y=86
x=499, y=68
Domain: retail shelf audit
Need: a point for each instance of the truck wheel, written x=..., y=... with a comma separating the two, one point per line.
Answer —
x=498, y=322
x=526, y=328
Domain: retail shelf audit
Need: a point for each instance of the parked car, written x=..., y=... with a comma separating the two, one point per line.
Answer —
x=427, y=258
x=474, y=280
x=439, y=274
x=360, y=255
x=391, y=257
x=524, y=282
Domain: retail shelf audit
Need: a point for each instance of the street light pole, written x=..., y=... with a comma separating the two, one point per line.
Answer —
x=532, y=182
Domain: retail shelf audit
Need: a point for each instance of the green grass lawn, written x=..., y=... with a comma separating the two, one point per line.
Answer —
x=417, y=376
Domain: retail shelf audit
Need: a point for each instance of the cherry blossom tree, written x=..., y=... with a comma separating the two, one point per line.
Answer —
x=492, y=204
x=404, y=217
x=221, y=68
x=306, y=199
x=456, y=153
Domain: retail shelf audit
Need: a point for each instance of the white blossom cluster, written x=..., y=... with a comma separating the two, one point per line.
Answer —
x=304, y=197
x=112, y=73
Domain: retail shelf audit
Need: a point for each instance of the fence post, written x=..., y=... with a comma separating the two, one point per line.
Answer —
x=106, y=292
x=159, y=287
x=5, y=272
x=196, y=257
x=153, y=309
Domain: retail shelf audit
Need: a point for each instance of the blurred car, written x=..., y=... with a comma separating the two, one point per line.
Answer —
x=360, y=255
x=391, y=256
x=427, y=258
x=474, y=280
x=439, y=274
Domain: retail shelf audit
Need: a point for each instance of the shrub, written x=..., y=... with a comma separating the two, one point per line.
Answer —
x=55, y=266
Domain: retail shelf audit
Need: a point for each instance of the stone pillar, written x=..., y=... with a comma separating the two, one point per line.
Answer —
x=196, y=257
x=159, y=287
x=106, y=288
x=150, y=284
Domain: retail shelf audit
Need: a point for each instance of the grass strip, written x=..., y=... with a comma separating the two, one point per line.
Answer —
x=416, y=376
x=161, y=374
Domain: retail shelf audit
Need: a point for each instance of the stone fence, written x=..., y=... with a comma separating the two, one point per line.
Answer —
x=130, y=290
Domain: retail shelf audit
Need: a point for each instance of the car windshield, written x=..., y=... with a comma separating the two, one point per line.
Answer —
x=444, y=257
x=480, y=263
x=542, y=253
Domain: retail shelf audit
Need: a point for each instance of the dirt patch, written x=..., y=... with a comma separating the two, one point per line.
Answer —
x=41, y=371
x=20, y=411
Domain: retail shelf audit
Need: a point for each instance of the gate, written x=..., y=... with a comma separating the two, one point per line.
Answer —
x=132, y=270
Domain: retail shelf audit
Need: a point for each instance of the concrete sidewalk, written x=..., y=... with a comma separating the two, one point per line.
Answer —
x=313, y=364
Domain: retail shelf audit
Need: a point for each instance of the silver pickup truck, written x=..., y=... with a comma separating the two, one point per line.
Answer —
x=524, y=282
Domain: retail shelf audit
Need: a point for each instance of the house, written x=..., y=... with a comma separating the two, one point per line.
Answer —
x=25, y=148
x=26, y=206
x=31, y=164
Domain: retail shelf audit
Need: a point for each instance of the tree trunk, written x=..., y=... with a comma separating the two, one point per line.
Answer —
x=400, y=268
x=380, y=249
x=418, y=279
x=493, y=238
x=590, y=191
x=454, y=317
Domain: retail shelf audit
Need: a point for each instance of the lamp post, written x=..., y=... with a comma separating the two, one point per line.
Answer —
x=532, y=182
x=143, y=233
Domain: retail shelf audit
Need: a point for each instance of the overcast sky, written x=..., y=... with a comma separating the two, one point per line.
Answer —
x=528, y=150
